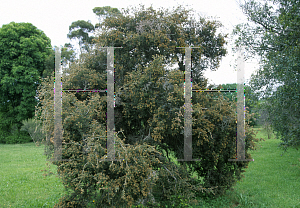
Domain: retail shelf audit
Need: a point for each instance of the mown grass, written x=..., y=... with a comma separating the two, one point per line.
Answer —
x=22, y=183
x=271, y=180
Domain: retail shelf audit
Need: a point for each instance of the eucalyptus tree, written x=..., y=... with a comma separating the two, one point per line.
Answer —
x=80, y=29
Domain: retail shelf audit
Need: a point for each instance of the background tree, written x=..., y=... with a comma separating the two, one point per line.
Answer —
x=106, y=11
x=264, y=116
x=22, y=55
x=80, y=30
x=67, y=57
x=274, y=36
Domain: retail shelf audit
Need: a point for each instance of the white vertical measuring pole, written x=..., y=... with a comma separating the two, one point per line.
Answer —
x=188, y=107
x=188, y=151
x=240, y=109
x=57, y=107
x=110, y=104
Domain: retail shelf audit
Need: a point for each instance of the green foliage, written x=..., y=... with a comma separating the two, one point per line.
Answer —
x=67, y=56
x=111, y=184
x=148, y=32
x=79, y=129
x=80, y=30
x=251, y=100
x=105, y=11
x=17, y=138
x=33, y=127
x=274, y=36
x=22, y=55
x=149, y=112
x=231, y=96
x=287, y=100
x=14, y=136
x=158, y=104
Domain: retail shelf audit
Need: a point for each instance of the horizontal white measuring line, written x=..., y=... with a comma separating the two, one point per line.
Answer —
x=192, y=90
x=216, y=90
x=87, y=90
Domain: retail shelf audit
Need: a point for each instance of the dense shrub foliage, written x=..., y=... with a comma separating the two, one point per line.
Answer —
x=149, y=118
x=129, y=181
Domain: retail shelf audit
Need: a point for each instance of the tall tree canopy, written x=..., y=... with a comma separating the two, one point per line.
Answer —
x=23, y=50
x=151, y=32
x=106, y=11
x=274, y=35
x=80, y=29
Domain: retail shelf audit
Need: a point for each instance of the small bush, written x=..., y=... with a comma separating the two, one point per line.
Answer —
x=11, y=134
x=17, y=138
x=3, y=136
x=33, y=127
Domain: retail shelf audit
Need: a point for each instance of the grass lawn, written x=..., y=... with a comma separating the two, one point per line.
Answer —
x=22, y=183
x=271, y=180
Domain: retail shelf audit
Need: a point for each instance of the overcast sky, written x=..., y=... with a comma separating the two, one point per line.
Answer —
x=55, y=16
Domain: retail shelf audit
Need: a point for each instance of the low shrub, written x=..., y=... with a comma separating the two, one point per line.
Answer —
x=136, y=180
x=34, y=128
x=13, y=135
x=19, y=138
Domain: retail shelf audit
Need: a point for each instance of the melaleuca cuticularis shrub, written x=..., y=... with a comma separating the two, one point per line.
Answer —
x=144, y=175
x=153, y=116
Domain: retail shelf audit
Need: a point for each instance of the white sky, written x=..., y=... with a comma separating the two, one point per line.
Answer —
x=55, y=16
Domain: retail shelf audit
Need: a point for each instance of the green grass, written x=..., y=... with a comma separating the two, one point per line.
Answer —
x=22, y=183
x=271, y=180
